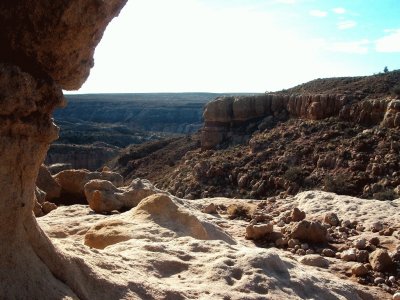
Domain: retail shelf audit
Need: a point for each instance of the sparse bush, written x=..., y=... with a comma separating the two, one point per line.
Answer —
x=385, y=195
x=239, y=212
x=294, y=174
x=339, y=184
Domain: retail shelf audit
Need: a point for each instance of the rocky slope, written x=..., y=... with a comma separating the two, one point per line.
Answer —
x=166, y=248
x=282, y=143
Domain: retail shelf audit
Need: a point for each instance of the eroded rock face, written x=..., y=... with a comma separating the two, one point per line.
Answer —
x=45, y=46
x=103, y=196
x=225, y=117
x=73, y=182
x=56, y=38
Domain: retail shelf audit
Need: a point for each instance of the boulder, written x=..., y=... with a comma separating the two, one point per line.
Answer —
x=331, y=219
x=380, y=261
x=73, y=182
x=103, y=196
x=306, y=231
x=46, y=183
x=256, y=232
x=297, y=215
x=314, y=260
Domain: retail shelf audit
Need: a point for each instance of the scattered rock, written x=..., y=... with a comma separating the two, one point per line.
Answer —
x=349, y=255
x=256, y=232
x=297, y=215
x=48, y=207
x=315, y=261
x=360, y=244
x=331, y=219
x=307, y=231
x=381, y=261
x=48, y=184
x=210, y=209
x=376, y=226
x=359, y=270
x=328, y=252
x=396, y=296
x=374, y=241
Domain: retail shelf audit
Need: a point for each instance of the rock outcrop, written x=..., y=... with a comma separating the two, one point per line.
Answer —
x=47, y=184
x=45, y=46
x=73, y=182
x=104, y=197
x=229, y=119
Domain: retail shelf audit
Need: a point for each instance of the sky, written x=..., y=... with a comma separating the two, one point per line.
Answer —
x=243, y=45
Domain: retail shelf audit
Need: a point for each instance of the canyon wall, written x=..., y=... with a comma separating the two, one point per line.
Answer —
x=46, y=46
x=232, y=119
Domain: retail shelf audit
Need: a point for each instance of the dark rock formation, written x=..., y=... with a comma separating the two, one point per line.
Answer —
x=45, y=46
x=90, y=157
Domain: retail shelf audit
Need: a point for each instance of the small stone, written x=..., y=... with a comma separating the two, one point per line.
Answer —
x=377, y=226
x=362, y=256
x=48, y=207
x=381, y=261
x=379, y=280
x=331, y=219
x=338, y=255
x=360, y=244
x=301, y=252
x=293, y=242
x=256, y=232
x=280, y=223
x=396, y=296
x=297, y=247
x=315, y=261
x=210, y=209
x=297, y=215
x=359, y=270
x=310, y=251
x=349, y=255
x=392, y=279
x=281, y=242
x=346, y=223
x=374, y=241
x=304, y=246
x=328, y=252
x=360, y=227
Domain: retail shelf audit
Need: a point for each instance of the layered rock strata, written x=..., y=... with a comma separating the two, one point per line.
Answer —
x=45, y=46
x=229, y=118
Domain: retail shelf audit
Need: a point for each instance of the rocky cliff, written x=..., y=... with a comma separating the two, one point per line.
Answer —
x=230, y=118
x=46, y=46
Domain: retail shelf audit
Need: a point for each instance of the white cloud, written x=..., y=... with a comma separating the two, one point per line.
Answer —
x=356, y=47
x=318, y=13
x=390, y=42
x=346, y=24
x=286, y=1
x=339, y=10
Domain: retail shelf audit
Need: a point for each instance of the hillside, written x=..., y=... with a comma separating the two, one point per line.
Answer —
x=261, y=156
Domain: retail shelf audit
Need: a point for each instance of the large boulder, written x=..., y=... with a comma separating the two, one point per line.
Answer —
x=73, y=182
x=46, y=183
x=381, y=261
x=103, y=196
x=307, y=231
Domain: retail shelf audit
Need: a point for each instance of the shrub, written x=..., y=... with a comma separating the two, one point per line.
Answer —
x=294, y=174
x=385, y=195
x=340, y=184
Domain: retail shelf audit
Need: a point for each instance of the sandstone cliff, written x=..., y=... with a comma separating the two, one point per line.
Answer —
x=228, y=118
x=46, y=46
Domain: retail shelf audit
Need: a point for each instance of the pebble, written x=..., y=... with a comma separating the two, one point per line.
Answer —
x=304, y=246
x=377, y=226
x=396, y=296
x=379, y=280
x=293, y=242
x=349, y=255
x=328, y=252
x=374, y=241
x=362, y=256
x=360, y=244
x=301, y=252
x=392, y=279
x=310, y=251
x=359, y=270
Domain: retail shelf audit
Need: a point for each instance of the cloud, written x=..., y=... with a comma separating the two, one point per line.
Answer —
x=346, y=24
x=318, y=13
x=339, y=10
x=390, y=42
x=356, y=47
x=286, y=1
